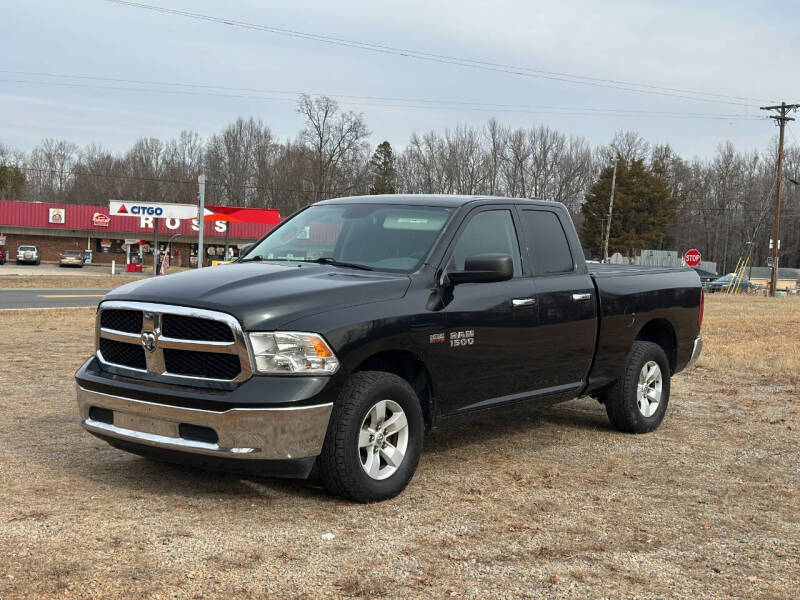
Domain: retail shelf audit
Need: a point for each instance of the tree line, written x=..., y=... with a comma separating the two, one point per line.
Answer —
x=721, y=205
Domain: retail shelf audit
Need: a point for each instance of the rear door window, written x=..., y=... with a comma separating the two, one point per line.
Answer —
x=547, y=242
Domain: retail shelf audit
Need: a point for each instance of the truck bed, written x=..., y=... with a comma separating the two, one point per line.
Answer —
x=606, y=270
x=632, y=296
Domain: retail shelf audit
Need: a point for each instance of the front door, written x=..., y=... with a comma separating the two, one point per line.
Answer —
x=486, y=352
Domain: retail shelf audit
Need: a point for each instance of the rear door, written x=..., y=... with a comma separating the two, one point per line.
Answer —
x=563, y=341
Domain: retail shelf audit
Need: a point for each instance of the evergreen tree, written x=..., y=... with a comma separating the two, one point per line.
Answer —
x=643, y=205
x=384, y=178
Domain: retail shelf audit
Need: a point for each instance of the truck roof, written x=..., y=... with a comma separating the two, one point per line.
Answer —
x=444, y=200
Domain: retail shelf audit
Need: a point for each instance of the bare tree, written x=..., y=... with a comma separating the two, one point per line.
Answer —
x=628, y=145
x=231, y=161
x=726, y=201
x=50, y=169
x=336, y=139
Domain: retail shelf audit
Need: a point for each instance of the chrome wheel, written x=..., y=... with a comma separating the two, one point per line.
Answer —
x=649, y=388
x=383, y=439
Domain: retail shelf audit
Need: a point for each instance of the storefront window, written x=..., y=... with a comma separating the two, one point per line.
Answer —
x=109, y=246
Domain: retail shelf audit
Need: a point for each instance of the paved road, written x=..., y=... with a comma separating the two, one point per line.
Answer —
x=49, y=298
x=51, y=269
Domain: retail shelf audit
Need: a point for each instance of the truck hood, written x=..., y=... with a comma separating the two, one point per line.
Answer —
x=264, y=295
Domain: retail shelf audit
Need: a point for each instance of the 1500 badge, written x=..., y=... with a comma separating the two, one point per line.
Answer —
x=462, y=338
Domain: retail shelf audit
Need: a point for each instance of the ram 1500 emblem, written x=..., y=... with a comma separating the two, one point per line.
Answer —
x=462, y=338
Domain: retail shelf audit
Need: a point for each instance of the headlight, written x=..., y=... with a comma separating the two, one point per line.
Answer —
x=292, y=353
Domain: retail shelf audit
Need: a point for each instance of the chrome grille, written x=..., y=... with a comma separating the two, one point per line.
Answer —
x=122, y=320
x=119, y=353
x=174, y=343
x=192, y=328
x=201, y=364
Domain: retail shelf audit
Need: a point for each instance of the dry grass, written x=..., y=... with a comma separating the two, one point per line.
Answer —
x=95, y=282
x=545, y=505
x=744, y=335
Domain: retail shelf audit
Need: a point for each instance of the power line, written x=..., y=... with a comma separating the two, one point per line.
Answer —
x=298, y=92
x=479, y=107
x=459, y=61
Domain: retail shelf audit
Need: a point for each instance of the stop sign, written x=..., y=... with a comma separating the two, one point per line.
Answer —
x=692, y=257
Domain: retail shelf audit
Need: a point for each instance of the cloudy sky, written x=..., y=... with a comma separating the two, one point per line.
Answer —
x=94, y=71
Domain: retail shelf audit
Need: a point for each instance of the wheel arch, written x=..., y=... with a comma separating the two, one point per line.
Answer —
x=662, y=333
x=407, y=365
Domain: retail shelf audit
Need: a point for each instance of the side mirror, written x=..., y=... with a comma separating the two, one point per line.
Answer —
x=483, y=268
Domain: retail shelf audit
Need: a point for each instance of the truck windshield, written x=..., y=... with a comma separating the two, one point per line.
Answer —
x=378, y=237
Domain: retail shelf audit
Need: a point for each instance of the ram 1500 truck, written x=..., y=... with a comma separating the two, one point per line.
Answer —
x=359, y=324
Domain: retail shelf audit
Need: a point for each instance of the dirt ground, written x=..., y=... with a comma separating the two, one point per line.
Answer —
x=547, y=505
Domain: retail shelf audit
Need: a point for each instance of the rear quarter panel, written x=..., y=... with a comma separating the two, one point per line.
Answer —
x=628, y=302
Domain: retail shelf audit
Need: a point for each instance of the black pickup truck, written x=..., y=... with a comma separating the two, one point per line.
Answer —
x=359, y=324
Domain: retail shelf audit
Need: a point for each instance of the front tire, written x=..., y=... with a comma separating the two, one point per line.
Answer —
x=374, y=438
x=638, y=401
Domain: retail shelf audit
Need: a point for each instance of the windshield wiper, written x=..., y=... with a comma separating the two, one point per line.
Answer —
x=251, y=258
x=327, y=260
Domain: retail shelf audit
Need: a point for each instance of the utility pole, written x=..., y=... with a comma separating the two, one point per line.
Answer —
x=610, y=211
x=783, y=109
x=201, y=211
x=155, y=247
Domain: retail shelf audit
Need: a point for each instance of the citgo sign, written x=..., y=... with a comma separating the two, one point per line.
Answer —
x=121, y=208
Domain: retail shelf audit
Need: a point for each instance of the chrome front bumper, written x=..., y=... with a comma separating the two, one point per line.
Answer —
x=696, y=350
x=244, y=433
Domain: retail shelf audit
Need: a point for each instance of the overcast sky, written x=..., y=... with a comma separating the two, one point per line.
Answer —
x=735, y=49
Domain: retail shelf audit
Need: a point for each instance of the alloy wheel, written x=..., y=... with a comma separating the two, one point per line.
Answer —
x=383, y=439
x=648, y=393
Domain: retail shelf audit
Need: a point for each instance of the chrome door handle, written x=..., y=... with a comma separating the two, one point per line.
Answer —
x=581, y=297
x=518, y=302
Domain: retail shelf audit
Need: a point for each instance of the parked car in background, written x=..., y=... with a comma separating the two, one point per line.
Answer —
x=70, y=258
x=705, y=276
x=721, y=284
x=2, y=256
x=28, y=255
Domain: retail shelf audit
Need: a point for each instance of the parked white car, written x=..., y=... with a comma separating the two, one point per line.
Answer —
x=28, y=255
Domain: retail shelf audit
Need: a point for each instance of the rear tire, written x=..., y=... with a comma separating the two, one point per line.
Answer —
x=638, y=401
x=374, y=438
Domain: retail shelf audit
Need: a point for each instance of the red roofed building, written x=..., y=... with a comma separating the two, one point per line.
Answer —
x=56, y=227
